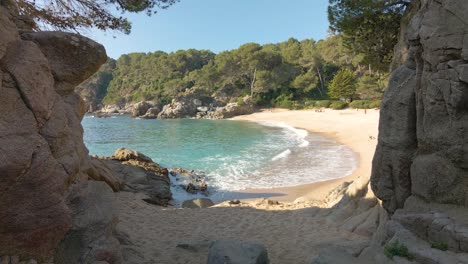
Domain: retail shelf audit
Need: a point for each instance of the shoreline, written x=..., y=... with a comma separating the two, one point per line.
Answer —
x=352, y=128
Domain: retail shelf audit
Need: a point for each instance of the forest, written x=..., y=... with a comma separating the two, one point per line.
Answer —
x=283, y=75
x=352, y=63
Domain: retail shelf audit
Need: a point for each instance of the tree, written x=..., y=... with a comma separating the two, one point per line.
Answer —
x=343, y=85
x=73, y=15
x=370, y=87
x=370, y=27
x=305, y=82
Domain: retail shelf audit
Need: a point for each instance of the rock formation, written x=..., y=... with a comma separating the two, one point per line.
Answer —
x=185, y=105
x=420, y=168
x=47, y=205
x=423, y=134
x=132, y=171
x=94, y=89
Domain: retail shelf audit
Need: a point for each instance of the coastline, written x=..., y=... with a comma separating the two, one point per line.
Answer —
x=352, y=128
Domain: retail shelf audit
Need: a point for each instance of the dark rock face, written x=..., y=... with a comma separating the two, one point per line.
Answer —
x=94, y=89
x=43, y=160
x=423, y=133
x=91, y=236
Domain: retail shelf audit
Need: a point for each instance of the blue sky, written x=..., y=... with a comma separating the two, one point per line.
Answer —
x=218, y=25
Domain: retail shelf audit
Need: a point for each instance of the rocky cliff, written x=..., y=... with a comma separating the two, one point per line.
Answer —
x=423, y=140
x=48, y=208
x=420, y=168
x=94, y=89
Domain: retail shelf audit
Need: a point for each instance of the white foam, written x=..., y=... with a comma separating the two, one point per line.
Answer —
x=300, y=134
x=282, y=155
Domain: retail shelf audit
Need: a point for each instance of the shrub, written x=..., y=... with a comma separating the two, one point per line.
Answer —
x=397, y=249
x=338, y=105
x=375, y=104
x=286, y=103
x=360, y=104
x=240, y=101
x=323, y=103
x=440, y=246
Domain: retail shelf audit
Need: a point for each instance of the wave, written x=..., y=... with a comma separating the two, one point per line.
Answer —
x=282, y=155
x=300, y=134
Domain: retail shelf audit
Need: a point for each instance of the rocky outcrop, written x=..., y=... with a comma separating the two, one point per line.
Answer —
x=45, y=198
x=420, y=166
x=94, y=89
x=228, y=111
x=185, y=105
x=134, y=172
x=423, y=134
x=145, y=109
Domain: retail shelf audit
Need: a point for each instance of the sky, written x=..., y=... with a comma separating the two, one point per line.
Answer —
x=218, y=25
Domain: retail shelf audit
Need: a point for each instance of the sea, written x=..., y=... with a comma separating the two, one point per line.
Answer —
x=234, y=155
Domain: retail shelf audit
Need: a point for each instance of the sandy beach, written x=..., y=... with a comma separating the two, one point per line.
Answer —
x=291, y=232
x=356, y=129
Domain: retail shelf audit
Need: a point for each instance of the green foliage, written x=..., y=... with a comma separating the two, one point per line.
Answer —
x=72, y=15
x=360, y=104
x=284, y=101
x=440, y=246
x=302, y=70
x=369, y=27
x=397, y=249
x=342, y=85
x=371, y=87
x=240, y=101
x=323, y=103
x=375, y=104
x=338, y=105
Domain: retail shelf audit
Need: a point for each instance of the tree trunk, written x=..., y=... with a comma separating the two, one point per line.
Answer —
x=252, y=84
x=321, y=82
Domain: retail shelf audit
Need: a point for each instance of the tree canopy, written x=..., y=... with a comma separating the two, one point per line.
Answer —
x=79, y=14
x=369, y=27
x=343, y=85
x=273, y=73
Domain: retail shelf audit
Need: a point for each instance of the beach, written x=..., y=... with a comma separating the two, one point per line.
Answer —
x=291, y=232
x=357, y=129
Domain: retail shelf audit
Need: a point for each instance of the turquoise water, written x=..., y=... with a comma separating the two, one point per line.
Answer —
x=234, y=154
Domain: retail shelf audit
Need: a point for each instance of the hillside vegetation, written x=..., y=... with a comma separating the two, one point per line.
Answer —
x=273, y=74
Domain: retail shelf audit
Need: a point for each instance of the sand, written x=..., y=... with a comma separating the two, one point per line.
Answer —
x=352, y=128
x=292, y=232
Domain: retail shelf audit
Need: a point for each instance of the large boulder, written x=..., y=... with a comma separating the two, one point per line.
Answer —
x=141, y=108
x=152, y=113
x=123, y=154
x=230, y=110
x=237, y=252
x=72, y=58
x=133, y=171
